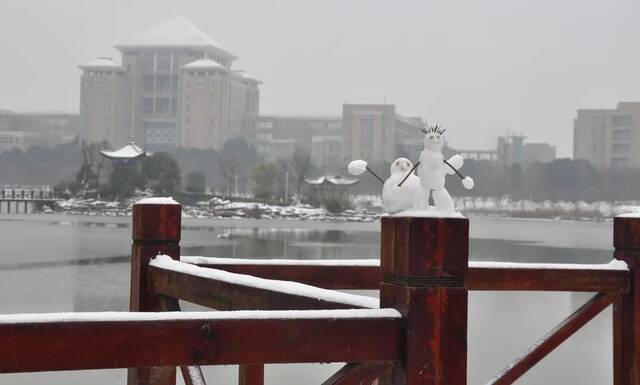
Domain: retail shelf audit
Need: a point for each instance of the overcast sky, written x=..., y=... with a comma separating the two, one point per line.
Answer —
x=481, y=68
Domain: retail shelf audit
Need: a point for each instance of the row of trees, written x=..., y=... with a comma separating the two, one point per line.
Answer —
x=269, y=179
x=561, y=179
x=237, y=163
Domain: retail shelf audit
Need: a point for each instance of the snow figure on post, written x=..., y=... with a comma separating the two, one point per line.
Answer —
x=395, y=197
x=432, y=169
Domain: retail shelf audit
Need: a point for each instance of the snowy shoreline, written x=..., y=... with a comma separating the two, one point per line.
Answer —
x=367, y=210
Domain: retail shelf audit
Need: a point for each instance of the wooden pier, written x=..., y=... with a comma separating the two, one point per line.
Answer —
x=23, y=198
x=283, y=311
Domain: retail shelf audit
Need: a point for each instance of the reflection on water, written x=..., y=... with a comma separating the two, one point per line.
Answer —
x=84, y=266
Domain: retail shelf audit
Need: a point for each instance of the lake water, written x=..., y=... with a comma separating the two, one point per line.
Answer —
x=51, y=263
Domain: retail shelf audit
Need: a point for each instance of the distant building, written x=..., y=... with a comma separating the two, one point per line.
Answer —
x=514, y=149
x=375, y=133
x=608, y=137
x=24, y=130
x=175, y=87
x=278, y=136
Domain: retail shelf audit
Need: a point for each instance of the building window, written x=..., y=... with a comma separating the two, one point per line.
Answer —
x=162, y=106
x=621, y=121
x=147, y=83
x=621, y=135
x=163, y=62
x=147, y=106
x=163, y=83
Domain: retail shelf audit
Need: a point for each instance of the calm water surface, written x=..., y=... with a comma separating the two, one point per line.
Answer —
x=54, y=263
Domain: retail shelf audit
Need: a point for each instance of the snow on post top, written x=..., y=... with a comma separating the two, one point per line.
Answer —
x=629, y=215
x=430, y=212
x=157, y=201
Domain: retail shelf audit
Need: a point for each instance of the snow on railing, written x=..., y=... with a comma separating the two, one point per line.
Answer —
x=197, y=260
x=288, y=287
x=112, y=316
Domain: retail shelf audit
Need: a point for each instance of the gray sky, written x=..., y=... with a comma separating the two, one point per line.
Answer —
x=481, y=68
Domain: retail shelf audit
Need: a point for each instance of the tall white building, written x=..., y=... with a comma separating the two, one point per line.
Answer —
x=608, y=137
x=175, y=86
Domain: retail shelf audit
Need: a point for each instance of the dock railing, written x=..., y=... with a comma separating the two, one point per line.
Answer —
x=290, y=311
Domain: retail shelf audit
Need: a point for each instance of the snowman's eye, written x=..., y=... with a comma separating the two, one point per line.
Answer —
x=431, y=137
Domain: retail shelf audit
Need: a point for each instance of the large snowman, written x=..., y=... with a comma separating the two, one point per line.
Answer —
x=432, y=170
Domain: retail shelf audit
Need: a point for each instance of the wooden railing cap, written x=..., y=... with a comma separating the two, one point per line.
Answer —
x=626, y=231
x=157, y=219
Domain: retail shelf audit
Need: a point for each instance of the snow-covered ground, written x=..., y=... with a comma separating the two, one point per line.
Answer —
x=367, y=208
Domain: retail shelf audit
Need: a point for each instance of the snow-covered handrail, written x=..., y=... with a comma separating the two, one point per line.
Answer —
x=295, y=292
x=77, y=341
x=198, y=260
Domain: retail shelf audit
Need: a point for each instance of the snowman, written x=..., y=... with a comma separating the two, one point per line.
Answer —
x=432, y=169
x=399, y=189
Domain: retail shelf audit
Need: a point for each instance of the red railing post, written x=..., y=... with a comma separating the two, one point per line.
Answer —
x=156, y=230
x=424, y=264
x=626, y=311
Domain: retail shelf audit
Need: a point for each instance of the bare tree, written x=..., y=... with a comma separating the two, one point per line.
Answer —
x=302, y=167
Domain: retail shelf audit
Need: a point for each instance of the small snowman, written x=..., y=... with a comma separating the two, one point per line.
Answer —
x=432, y=169
x=399, y=190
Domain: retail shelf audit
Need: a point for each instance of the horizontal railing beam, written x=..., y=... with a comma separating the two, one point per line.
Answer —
x=482, y=276
x=223, y=290
x=76, y=341
x=320, y=273
x=548, y=279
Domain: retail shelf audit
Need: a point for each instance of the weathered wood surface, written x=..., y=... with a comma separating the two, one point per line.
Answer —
x=424, y=263
x=626, y=314
x=228, y=296
x=548, y=279
x=358, y=373
x=251, y=375
x=478, y=278
x=155, y=230
x=45, y=346
x=553, y=339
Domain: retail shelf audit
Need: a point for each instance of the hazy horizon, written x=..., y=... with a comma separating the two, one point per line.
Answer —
x=482, y=70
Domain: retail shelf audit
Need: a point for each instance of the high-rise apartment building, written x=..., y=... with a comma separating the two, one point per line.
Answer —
x=608, y=137
x=375, y=133
x=175, y=86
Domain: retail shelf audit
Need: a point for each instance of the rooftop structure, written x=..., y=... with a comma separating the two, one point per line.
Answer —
x=127, y=152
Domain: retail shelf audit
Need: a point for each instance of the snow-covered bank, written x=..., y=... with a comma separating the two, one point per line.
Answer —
x=367, y=209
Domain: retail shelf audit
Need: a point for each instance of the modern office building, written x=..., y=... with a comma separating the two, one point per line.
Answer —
x=608, y=138
x=516, y=150
x=373, y=132
x=377, y=134
x=24, y=130
x=278, y=136
x=175, y=86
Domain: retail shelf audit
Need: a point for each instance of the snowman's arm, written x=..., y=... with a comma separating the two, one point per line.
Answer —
x=455, y=162
x=410, y=172
x=453, y=168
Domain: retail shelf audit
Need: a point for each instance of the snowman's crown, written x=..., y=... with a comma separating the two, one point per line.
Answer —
x=437, y=129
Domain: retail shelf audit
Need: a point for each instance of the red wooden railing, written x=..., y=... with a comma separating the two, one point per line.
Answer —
x=284, y=311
